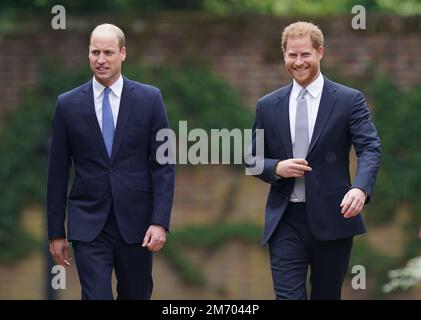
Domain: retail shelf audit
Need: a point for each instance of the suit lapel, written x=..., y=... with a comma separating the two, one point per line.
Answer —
x=327, y=102
x=89, y=111
x=126, y=104
x=282, y=113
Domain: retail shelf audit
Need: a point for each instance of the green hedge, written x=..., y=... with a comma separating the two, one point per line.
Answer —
x=23, y=146
x=279, y=7
x=399, y=181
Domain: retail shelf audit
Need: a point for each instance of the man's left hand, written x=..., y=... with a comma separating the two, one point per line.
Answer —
x=353, y=202
x=154, y=238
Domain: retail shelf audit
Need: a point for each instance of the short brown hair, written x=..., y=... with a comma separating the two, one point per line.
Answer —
x=111, y=27
x=301, y=28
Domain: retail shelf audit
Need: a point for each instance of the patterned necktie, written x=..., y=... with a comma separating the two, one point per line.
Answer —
x=301, y=141
x=107, y=122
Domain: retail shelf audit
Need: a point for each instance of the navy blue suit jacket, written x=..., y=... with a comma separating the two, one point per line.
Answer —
x=139, y=188
x=343, y=120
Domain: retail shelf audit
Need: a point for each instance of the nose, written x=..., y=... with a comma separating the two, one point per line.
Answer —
x=299, y=61
x=101, y=58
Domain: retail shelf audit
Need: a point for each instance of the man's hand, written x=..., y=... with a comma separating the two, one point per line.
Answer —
x=154, y=238
x=292, y=168
x=59, y=250
x=353, y=202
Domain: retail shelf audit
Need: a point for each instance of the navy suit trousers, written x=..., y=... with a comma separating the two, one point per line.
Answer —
x=293, y=249
x=95, y=261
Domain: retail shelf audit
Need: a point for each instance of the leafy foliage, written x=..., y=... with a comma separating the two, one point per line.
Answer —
x=23, y=146
x=279, y=7
x=399, y=180
x=208, y=237
x=192, y=92
x=375, y=263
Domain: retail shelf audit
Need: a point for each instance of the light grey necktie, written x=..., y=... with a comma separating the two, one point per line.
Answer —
x=301, y=142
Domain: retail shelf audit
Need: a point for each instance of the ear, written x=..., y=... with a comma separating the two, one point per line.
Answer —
x=320, y=51
x=123, y=53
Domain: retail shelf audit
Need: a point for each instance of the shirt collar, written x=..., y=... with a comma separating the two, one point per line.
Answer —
x=314, y=89
x=116, y=87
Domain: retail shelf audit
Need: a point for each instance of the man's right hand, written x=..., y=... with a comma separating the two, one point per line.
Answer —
x=292, y=168
x=59, y=250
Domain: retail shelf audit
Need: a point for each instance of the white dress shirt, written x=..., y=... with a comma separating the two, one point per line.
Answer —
x=114, y=96
x=313, y=101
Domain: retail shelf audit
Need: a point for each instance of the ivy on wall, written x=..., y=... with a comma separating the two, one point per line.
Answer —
x=399, y=180
x=206, y=237
x=23, y=149
x=192, y=92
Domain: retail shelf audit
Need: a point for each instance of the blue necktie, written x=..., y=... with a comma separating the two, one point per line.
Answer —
x=107, y=122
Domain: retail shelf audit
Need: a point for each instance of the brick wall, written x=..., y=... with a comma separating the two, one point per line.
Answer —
x=245, y=50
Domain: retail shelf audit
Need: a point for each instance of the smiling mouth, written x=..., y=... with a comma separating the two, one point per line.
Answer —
x=102, y=68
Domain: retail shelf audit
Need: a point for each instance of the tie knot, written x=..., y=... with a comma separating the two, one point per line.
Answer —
x=302, y=94
x=106, y=91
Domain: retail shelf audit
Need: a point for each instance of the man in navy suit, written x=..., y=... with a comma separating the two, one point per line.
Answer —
x=313, y=209
x=120, y=202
